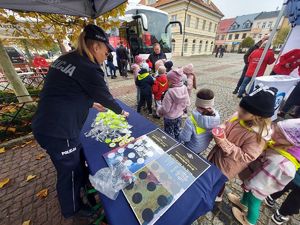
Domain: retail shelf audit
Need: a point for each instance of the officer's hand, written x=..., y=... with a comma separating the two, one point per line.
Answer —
x=124, y=113
x=99, y=107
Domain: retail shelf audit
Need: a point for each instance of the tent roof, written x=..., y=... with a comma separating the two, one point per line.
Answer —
x=84, y=8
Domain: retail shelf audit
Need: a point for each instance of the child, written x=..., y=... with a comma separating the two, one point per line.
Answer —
x=135, y=69
x=175, y=101
x=168, y=65
x=196, y=133
x=144, y=81
x=159, y=87
x=149, y=64
x=291, y=204
x=245, y=135
x=279, y=165
x=188, y=70
x=158, y=63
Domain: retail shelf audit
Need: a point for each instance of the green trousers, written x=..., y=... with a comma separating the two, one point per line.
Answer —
x=253, y=205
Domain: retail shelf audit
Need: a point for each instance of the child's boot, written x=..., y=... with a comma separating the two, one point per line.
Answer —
x=240, y=216
x=278, y=218
x=236, y=201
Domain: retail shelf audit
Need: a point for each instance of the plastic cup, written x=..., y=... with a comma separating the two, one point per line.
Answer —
x=218, y=132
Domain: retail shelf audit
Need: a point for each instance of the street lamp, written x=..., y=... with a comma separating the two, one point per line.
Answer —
x=183, y=36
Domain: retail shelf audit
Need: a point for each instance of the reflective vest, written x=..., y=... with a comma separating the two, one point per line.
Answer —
x=199, y=130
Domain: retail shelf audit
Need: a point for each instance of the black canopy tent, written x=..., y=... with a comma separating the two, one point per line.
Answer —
x=84, y=8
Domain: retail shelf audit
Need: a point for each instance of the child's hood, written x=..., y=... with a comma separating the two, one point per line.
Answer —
x=291, y=130
x=162, y=78
x=179, y=94
x=206, y=122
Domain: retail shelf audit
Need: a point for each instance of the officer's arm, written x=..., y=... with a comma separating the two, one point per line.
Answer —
x=94, y=85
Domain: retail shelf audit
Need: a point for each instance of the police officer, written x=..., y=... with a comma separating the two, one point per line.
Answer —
x=74, y=83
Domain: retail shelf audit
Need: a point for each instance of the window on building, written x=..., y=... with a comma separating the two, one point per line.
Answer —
x=223, y=37
x=230, y=37
x=215, y=27
x=244, y=36
x=259, y=36
x=211, y=46
x=173, y=18
x=247, y=24
x=188, y=21
x=258, y=24
x=185, y=46
x=204, y=25
x=254, y=35
x=193, y=47
x=150, y=2
x=209, y=27
x=200, y=47
x=236, y=36
x=206, y=46
x=270, y=24
x=173, y=45
x=197, y=23
x=264, y=25
x=218, y=37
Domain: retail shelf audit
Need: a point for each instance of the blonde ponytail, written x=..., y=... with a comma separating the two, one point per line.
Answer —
x=263, y=124
x=83, y=46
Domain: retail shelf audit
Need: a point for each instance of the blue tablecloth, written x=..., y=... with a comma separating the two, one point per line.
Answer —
x=196, y=201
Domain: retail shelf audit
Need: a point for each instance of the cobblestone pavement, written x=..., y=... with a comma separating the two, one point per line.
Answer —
x=18, y=200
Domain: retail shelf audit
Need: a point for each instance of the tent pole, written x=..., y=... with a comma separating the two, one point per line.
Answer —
x=267, y=47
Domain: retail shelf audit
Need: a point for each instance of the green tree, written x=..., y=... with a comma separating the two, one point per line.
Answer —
x=281, y=36
x=247, y=42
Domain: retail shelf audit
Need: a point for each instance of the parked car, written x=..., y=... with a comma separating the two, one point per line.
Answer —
x=18, y=59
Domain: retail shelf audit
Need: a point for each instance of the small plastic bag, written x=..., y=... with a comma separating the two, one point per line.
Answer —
x=110, y=180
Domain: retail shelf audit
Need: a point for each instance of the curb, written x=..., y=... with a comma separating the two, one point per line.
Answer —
x=16, y=141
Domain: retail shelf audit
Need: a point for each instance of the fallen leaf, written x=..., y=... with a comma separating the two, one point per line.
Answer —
x=3, y=182
x=43, y=193
x=40, y=156
x=2, y=150
x=27, y=222
x=11, y=129
x=28, y=142
x=30, y=177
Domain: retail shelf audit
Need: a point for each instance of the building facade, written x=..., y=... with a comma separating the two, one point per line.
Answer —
x=222, y=31
x=199, y=30
x=239, y=30
x=263, y=24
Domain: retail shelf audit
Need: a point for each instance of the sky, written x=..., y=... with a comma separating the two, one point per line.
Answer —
x=233, y=8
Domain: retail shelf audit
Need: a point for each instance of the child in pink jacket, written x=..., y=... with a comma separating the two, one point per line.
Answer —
x=174, y=103
x=135, y=69
x=188, y=70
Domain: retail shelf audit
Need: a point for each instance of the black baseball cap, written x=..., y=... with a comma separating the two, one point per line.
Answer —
x=94, y=32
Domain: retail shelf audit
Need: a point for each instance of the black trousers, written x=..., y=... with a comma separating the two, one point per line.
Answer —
x=241, y=78
x=123, y=67
x=67, y=157
x=143, y=99
x=291, y=205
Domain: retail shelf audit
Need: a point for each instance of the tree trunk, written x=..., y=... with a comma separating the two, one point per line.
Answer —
x=12, y=77
x=61, y=46
x=25, y=44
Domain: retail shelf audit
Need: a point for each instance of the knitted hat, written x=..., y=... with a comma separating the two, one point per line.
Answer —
x=161, y=70
x=144, y=68
x=261, y=102
x=169, y=64
x=138, y=59
x=175, y=77
x=188, y=69
x=291, y=130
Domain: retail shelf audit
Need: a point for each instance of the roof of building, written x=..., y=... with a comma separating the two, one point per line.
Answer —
x=267, y=15
x=243, y=23
x=209, y=5
x=224, y=25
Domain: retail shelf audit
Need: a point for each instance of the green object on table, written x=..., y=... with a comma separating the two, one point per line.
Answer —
x=107, y=140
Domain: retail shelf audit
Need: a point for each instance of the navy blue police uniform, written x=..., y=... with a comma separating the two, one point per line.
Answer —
x=72, y=85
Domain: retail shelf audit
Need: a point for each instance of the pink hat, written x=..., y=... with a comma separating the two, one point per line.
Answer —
x=188, y=69
x=291, y=130
x=175, y=77
x=138, y=59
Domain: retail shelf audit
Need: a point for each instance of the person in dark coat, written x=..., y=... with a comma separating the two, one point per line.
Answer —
x=123, y=57
x=111, y=66
x=247, y=54
x=74, y=84
x=145, y=82
x=156, y=55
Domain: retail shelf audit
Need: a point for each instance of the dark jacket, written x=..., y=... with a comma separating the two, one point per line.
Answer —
x=72, y=85
x=122, y=53
x=250, y=50
x=110, y=57
x=153, y=57
x=144, y=81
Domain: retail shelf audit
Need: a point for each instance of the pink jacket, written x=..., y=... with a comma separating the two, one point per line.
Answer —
x=135, y=69
x=174, y=103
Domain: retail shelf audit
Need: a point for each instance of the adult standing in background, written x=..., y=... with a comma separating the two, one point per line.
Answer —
x=123, y=57
x=222, y=50
x=156, y=55
x=246, y=56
